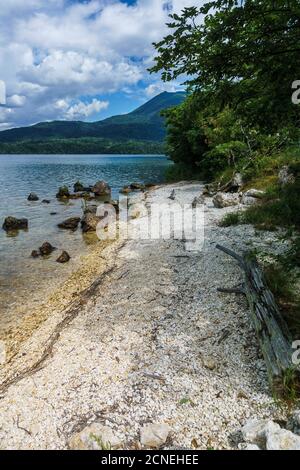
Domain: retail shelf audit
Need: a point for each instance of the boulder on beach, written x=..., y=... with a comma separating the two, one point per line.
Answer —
x=154, y=435
x=12, y=223
x=70, y=224
x=63, y=258
x=137, y=186
x=96, y=436
x=221, y=200
x=101, y=188
x=89, y=222
x=33, y=197
x=252, y=196
x=63, y=193
x=125, y=190
x=46, y=249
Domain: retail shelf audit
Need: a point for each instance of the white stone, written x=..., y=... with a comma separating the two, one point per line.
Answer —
x=95, y=437
x=221, y=200
x=285, y=176
x=254, y=431
x=248, y=200
x=209, y=363
x=251, y=447
x=282, y=439
x=237, y=180
x=256, y=193
x=155, y=435
x=296, y=418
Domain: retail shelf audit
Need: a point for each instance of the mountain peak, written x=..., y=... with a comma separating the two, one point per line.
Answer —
x=144, y=123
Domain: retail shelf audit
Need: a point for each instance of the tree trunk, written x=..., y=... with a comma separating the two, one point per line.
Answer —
x=272, y=332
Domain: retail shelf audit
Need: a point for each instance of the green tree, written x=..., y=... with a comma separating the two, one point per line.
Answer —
x=241, y=59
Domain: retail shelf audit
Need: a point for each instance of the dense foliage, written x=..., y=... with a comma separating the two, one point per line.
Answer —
x=83, y=146
x=239, y=64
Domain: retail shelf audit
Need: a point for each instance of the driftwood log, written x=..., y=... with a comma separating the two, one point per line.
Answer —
x=272, y=332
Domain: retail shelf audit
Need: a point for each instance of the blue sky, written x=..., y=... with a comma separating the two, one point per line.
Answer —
x=79, y=59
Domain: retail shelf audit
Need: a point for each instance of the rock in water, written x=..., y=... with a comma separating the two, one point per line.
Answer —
x=154, y=435
x=64, y=257
x=89, y=222
x=137, y=186
x=125, y=190
x=12, y=223
x=70, y=224
x=281, y=439
x=46, y=249
x=63, y=193
x=101, y=188
x=35, y=254
x=221, y=200
x=95, y=437
x=33, y=197
x=46, y=201
x=78, y=187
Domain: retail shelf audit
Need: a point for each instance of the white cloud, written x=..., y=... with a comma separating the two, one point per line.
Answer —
x=54, y=50
x=158, y=87
x=80, y=110
x=16, y=101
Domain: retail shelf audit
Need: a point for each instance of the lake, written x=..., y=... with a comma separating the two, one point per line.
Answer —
x=24, y=280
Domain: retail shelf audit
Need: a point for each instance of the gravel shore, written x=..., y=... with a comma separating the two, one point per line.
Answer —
x=150, y=341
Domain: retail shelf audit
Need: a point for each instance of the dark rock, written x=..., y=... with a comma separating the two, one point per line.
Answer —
x=46, y=201
x=79, y=187
x=33, y=197
x=35, y=254
x=89, y=222
x=70, y=224
x=115, y=204
x=63, y=193
x=91, y=208
x=172, y=195
x=53, y=213
x=101, y=188
x=126, y=190
x=46, y=249
x=83, y=195
x=12, y=223
x=137, y=186
x=63, y=258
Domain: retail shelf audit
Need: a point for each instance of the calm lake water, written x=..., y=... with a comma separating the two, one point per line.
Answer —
x=21, y=276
